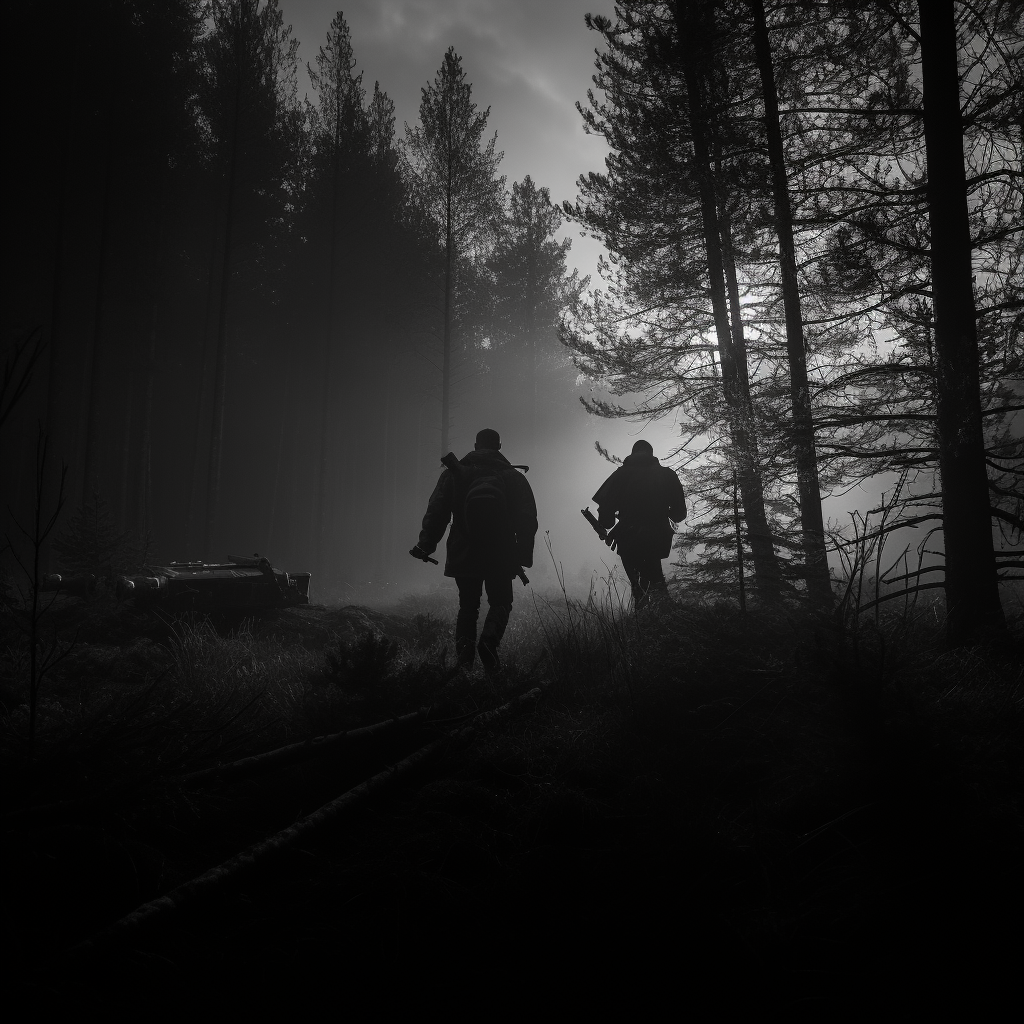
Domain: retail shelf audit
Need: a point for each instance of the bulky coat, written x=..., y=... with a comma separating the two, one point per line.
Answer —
x=443, y=507
x=645, y=495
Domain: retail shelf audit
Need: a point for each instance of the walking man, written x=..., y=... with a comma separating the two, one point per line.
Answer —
x=493, y=519
x=645, y=495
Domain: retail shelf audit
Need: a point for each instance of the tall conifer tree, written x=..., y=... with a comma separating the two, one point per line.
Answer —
x=456, y=175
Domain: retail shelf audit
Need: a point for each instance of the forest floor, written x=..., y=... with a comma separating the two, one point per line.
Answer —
x=759, y=815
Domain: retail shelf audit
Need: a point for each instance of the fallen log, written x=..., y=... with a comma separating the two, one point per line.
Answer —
x=262, y=853
x=246, y=767
x=294, y=753
x=257, y=855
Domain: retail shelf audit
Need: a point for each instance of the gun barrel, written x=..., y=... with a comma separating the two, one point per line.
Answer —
x=598, y=528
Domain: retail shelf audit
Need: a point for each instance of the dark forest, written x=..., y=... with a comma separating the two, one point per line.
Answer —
x=241, y=295
x=244, y=326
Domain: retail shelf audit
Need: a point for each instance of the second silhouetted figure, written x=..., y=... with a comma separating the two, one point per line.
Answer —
x=645, y=495
x=494, y=520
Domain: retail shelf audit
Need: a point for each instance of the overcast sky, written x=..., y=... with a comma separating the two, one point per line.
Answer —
x=528, y=60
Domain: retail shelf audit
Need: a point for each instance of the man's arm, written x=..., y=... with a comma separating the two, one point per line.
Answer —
x=438, y=514
x=524, y=518
x=607, y=499
x=676, y=497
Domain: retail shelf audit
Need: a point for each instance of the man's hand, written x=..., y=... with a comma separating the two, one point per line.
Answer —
x=418, y=552
x=611, y=538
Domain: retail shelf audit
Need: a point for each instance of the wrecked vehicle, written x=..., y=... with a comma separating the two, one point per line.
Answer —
x=239, y=583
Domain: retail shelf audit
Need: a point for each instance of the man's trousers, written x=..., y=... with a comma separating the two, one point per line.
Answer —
x=646, y=578
x=499, y=607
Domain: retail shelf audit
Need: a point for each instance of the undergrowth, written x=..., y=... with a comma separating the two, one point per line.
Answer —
x=802, y=791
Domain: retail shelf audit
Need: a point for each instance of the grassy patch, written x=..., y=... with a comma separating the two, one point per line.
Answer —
x=765, y=794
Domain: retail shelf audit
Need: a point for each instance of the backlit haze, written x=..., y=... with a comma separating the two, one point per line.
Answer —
x=529, y=62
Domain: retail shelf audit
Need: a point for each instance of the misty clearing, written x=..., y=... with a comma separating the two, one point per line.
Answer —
x=545, y=529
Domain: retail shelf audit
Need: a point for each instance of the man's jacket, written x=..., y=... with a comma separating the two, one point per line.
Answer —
x=444, y=507
x=645, y=495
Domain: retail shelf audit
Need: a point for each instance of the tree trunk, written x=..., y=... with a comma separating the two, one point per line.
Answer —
x=275, y=493
x=446, y=361
x=766, y=567
x=221, y=366
x=420, y=467
x=145, y=483
x=201, y=397
x=531, y=327
x=325, y=421
x=56, y=291
x=145, y=515
x=745, y=435
x=387, y=455
x=812, y=523
x=94, y=357
x=325, y=403
x=972, y=591
x=145, y=493
x=125, y=440
x=135, y=480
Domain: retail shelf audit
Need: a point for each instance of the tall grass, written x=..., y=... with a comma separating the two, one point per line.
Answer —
x=771, y=784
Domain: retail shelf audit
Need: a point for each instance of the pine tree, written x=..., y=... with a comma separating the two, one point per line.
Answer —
x=340, y=137
x=802, y=434
x=92, y=542
x=972, y=594
x=456, y=176
x=663, y=211
x=907, y=165
x=249, y=98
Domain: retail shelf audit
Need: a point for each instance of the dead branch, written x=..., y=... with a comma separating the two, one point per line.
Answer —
x=262, y=853
x=919, y=572
x=1007, y=517
x=295, y=753
x=1004, y=469
x=901, y=593
x=256, y=855
x=888, y=529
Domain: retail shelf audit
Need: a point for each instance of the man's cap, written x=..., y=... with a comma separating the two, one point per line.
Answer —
x=488, y=438
x=643, y=448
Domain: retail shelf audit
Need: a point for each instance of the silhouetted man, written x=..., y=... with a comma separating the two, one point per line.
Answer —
x=494, y=520
x=645, y=495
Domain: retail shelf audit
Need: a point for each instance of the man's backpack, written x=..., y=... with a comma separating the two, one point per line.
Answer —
x=485, y=510
x=481, y=506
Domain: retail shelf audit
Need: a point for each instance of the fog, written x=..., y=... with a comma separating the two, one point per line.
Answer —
x=225, y=359
x=239, y=314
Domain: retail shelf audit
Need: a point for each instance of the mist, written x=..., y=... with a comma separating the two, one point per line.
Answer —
x=222, y=372
x=747, y=741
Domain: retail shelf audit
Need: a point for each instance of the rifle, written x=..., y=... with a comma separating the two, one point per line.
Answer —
x=598, y=528
x=608, y=536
